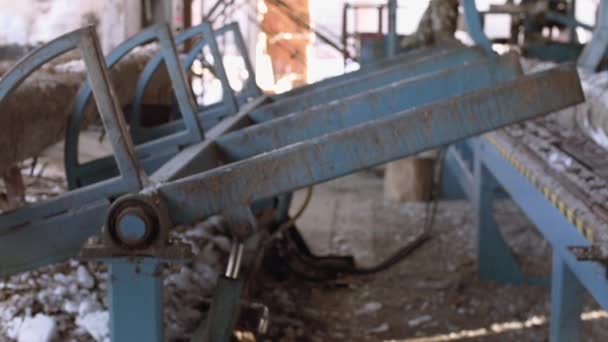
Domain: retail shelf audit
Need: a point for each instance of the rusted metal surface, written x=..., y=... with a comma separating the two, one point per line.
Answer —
x=372, y=143
x=569, y=164
x=401, y=70
x=377, y=103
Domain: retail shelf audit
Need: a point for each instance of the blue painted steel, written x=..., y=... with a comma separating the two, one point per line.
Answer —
x=132, y=227
x=372, y=67
x=371, y=105
x=195, y=181
x=495, y=261
x=472, y=19
x=333, y=155
x=595, y=51
x=392, y=28
x=456, y=179
x=186, y=102
x=152, y=154
x=220, y=72
x=211, y=115
x=566, y=303
x=222, y=313
x=211, y=118
x=205, y=156
x=45, y=218
x=49, y=240
x=136, y=297
x=111, y=114
x=62, y=203
x=554, y=227
x=408, y=69
x=169, y=138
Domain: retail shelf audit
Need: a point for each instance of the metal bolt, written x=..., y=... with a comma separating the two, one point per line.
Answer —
x=133, y=226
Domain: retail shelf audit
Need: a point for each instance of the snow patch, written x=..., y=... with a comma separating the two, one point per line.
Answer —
x=40, y=328
x=96, y=324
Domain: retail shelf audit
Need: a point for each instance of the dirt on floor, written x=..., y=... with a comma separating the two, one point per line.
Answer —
x=433, y=295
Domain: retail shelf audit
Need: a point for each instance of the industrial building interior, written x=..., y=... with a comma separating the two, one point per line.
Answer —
x=303, y=170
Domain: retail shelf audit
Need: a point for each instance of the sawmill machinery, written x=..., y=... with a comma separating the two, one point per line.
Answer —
x=254, y=151
x=555, y=172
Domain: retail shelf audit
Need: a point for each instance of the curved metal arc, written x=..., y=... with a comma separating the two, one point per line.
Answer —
x=37, y=58
x=159, y=33
x=150, y=69
x=84, y=95
x=85, y=40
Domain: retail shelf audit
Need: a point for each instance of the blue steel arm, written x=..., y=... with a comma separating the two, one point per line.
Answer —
x=330, y=156
x=405, y=69
x=474, y=28
x=152, y=154
x=595, y=50
x=32, y=243
x=345, y=84
x=185, y=101
x=190, y=163
x=453, y=122
x=86, y=40
x=374, y=104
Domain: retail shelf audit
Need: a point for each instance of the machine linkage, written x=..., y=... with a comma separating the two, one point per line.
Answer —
x=238, y=157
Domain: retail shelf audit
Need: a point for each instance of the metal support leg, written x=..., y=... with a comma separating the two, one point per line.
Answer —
x=226, y=302
x=495, y=261
x=392, y=28
x=136, y=297
x=566, y=303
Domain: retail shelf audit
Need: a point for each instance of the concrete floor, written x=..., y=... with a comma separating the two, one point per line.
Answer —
x=433, y=295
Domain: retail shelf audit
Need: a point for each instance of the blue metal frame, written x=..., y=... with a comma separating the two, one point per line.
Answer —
x=45, y=235
x=154, y=153
x=193, y=133
x=362, y=146
x=407, y=68
x=169, y=137
x=561, y=234
x=494, y=168
x=495, y=260
x=211, y=115
x=136, y=300
x=259, y=154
